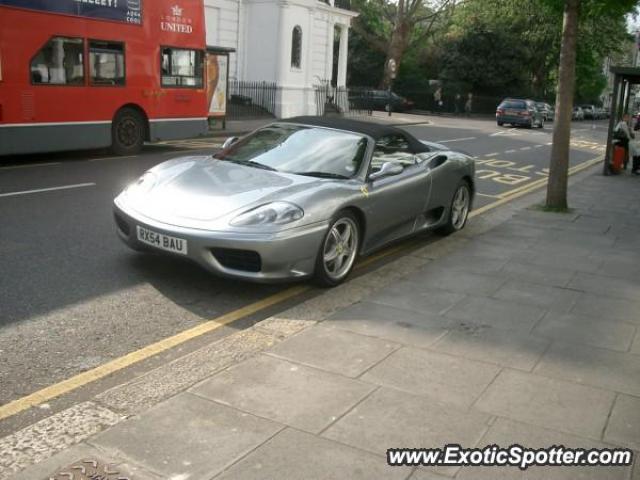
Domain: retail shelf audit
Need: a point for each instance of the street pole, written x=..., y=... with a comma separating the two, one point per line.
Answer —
x=391, y=68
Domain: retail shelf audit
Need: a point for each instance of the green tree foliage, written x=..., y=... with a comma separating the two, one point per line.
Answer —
x=590, y=79
x=487, y=61
x=393, y=27
x=366, y=64
x=506, y=46
x=579, y=16
x=491, y=47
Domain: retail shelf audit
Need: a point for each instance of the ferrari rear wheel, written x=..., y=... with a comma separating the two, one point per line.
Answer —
x=338, y=251
x=459, y=210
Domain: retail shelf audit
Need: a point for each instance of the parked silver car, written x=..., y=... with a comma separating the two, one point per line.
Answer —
x=577, y=114
x=591, y=112
x=547, y=110
x=298, y=198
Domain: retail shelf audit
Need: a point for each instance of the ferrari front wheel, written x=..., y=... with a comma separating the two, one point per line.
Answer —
x=338, y=250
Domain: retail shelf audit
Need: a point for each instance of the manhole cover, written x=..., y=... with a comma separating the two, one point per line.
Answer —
x=90, y=470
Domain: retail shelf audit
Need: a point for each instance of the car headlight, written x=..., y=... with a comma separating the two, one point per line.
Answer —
x=276, y=213
x=144, y=184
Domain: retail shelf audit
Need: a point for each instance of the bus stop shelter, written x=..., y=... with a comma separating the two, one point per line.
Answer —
x=623, y=79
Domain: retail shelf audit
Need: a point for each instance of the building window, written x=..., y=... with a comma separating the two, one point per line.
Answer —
x=296, y=47
x=59, y=62
x=182, y=68
x=106, y=63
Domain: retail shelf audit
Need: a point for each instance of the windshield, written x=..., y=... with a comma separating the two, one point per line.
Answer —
x=302, y=150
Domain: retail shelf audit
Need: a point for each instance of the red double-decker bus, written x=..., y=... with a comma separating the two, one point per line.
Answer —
x=79, y=74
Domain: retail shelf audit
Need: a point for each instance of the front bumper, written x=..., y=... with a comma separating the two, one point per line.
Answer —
x=285, y=255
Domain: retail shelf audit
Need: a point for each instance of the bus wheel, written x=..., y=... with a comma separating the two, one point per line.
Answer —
x=127, y=132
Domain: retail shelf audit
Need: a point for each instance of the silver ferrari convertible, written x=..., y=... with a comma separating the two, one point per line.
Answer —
x=298, y=198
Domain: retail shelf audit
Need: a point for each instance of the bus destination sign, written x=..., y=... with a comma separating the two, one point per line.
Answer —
x=127, y=11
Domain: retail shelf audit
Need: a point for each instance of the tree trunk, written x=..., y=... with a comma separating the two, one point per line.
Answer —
x=397, y=47
x=559, y=163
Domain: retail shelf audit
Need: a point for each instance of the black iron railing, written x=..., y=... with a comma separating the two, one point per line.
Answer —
x=332, y=100
x=251, y=99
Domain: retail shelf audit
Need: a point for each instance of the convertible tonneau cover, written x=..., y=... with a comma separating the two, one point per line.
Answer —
x=374, y=130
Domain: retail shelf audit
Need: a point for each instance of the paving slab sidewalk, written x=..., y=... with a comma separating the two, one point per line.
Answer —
x=497, y=336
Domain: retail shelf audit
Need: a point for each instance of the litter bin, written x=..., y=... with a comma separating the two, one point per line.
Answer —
x=619, y=154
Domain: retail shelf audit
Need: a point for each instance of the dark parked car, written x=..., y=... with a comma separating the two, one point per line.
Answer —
x=379, y=100
x=519, y=112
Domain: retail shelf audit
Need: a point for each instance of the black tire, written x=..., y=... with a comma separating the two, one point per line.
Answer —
x=500, y=124
x=322, y=277
x=452, y=226
x=128, y=132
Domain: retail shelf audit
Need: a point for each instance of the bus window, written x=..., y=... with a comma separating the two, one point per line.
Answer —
x=59, y=62
x=106, y=63
x=182, y=68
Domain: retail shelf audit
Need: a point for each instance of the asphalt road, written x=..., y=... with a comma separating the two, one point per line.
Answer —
x=510, y=158
x=73, y=297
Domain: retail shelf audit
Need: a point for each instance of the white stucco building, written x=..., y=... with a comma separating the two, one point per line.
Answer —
x=289, y=42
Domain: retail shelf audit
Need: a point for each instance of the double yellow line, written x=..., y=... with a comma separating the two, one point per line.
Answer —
x=129, y=359
x=530, y=187
x=82, y=379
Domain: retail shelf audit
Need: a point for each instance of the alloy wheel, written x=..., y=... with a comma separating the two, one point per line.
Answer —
x=340, y=248
x=460, y=207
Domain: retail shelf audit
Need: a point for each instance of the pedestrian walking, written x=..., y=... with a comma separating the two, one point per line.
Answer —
x=437, y=99
x=635, y=156
x=457, y=104
x=634, y=150
x=468, y=106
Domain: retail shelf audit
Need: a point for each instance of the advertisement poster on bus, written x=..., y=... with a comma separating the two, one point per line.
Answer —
x=217, y=72
x=127, y=11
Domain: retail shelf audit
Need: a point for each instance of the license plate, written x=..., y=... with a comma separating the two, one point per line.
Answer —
x=514, y=113
x=162, y=241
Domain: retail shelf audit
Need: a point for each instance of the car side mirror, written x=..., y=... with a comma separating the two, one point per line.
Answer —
x=387, y=169
x=229, y=141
